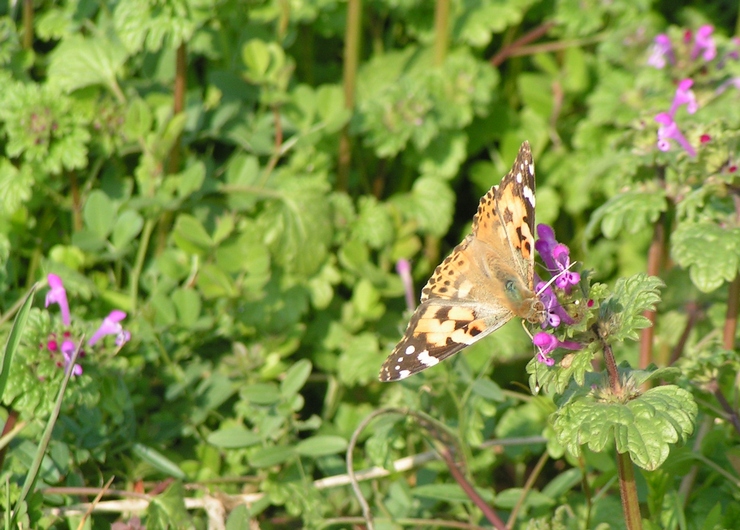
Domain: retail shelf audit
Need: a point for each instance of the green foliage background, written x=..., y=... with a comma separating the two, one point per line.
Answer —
x=250, y=226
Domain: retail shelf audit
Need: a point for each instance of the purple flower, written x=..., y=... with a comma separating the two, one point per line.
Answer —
x=68, y=349
x=660, y=51
x=545, y=244
x=556, y=257
x=732, y=82
x=58, y=295
x=565, y=278
x=403, y=268
x=704, y=44
x=111, y=326
x=684, y=96
x=555, y=312
x=669, y=131
x=547, y=343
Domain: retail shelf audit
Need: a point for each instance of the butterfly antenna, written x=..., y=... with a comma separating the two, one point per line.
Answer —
x=526, y=330
x=551, y=280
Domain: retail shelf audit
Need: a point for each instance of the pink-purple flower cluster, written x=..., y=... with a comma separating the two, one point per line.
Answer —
x=111, y=325
x=702, y=44
x=668, y=129
x=556, y=257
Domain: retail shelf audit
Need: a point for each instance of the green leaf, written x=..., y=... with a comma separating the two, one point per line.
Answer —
x=127, y=227
x=298, y=226
x=138, y=119
x=359, y=361
x=188, y=306
x=373, y=225
x=271, y=456
x=321, y=445
x=14, y=338
x=261, y=393
x=167, y=510
x=83, y=61
x=16, y=186
x=233, y=438
x=430, y=203
x=213, y=282
x=449, y=493
x=99, y=214
x=631, y=212
x=644, y=426
x=190, y=235
x=157, y=460
x=488, y=390
x=479, y=20
x=511, y=497
x=331, y=108
x=620, y=315
x=710, y=252
x=295, y=378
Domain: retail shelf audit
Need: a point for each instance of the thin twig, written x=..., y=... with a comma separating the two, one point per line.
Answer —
x=469, y=490
x=693, y=310
x=527, y=487
x=95, y=501
x=138, y=502
x=508, y=51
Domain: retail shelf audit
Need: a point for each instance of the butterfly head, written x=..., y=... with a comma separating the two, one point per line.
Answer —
x=536, y=314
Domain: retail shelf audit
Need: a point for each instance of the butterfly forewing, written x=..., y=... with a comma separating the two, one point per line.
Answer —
x=460, y=303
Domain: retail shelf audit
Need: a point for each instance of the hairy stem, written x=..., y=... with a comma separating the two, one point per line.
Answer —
x=628, y=492
x=611, y=364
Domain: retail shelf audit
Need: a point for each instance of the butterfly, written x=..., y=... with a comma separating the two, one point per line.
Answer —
x=486, y=281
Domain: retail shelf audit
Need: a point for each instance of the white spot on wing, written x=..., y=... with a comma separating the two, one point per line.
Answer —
x=464, y=290
x=403, y=374
x=426, y=359
x=531, y=169
x=528, y=194
x=519, y=178
x=410, y=350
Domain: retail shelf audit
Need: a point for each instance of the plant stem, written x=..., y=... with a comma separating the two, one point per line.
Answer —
x=655, y=260
x=527, y=487
x=693, y=310
x=441, y=30
x=76, y=202
x=9, y=424
x=349, y=80
x=146, y=233
x=611, y=364
x=733, y=297
x=628, y=492
x=28, y=24
x=469, y=490
x=627, y=488
x=533, y=35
